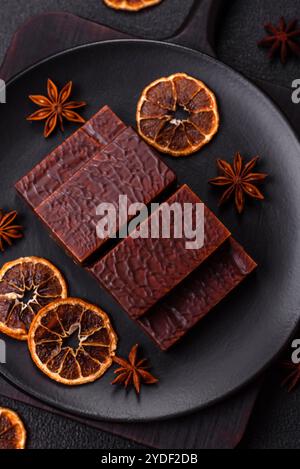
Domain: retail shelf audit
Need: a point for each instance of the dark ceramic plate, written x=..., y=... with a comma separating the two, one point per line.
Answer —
x=240, y=337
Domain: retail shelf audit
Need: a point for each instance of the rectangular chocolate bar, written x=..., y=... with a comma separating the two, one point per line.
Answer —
x=141, y=271
x=127, y=167
x=47, y=176
x=176, y=314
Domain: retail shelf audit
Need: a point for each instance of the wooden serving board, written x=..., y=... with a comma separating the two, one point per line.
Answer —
x=218, y=427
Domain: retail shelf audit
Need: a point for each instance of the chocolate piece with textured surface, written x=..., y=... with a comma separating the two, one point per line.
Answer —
x=127, y=167
x=175, y=315
x=104, y=126
x=54, y=170
x=141, y=271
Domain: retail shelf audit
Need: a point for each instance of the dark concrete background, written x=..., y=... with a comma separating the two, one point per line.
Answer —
x=275, y=422
x=240, y=29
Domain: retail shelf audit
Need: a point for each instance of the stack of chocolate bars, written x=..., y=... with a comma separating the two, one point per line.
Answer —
x=161, y=284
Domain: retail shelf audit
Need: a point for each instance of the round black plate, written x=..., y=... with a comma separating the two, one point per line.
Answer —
x=238, y=339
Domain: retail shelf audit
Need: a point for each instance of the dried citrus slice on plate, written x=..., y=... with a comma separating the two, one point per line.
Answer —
x=131, y=5
x=177, y=115
x=27, y=285
x=12, y=430
x=72, y=341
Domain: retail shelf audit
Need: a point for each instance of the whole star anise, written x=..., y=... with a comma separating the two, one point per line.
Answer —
x=8, y=230
x=240, y=180
x=56, y=107
x=281, y=39
x=133, y=371
x=293, y=378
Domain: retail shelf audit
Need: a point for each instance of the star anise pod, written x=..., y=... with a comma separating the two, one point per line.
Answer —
x=240, y=180
x=8, y=230
x=56, y=107
x=134, y=371
x=282, y=39
x=293, y=378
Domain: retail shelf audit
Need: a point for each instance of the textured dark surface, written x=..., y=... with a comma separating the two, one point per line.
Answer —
x=275, y=282
x=89, y=358
x=158, y=22
x=175, y=315
x=138, y=272
x=127, y=167
x=12, y=434
x=242, y=26
x=56, y=168
x=276, y=420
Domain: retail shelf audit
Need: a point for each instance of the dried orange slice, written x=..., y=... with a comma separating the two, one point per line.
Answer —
x=177, y=115
x=131, y=5
x=26, y=286
x=12, y=430
x=72, y=341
